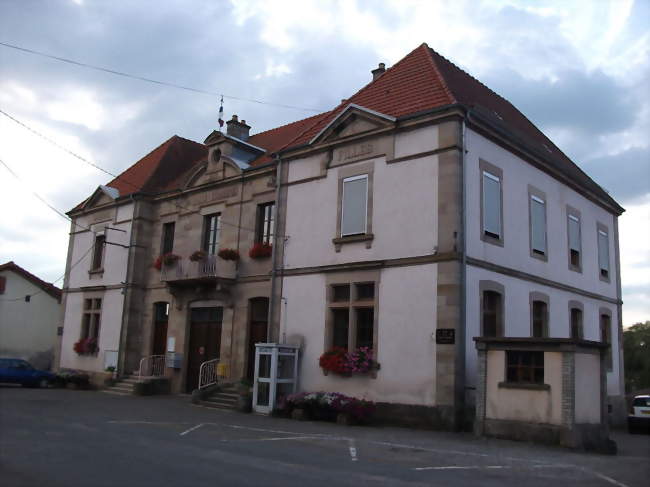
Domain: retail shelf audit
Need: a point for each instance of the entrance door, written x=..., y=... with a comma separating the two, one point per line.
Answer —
x=257, y=328
x=161, y=315
x=205, y=341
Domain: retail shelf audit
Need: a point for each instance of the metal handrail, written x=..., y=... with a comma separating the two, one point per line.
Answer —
x=208, y=373
x=152, y=366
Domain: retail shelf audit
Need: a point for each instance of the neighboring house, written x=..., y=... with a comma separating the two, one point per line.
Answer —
x=421, y=212
x=30, y=314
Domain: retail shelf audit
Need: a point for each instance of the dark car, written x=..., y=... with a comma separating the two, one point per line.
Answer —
x=18, y=371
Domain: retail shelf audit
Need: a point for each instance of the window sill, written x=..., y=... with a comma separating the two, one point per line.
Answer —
x=492, y=240
x=364, y=237
x=524, y=385
x=539, y=256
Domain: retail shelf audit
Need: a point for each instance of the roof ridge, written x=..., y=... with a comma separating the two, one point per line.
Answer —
x=372, y=81
x=433, y=51
x=445, y=84
x=490, y=90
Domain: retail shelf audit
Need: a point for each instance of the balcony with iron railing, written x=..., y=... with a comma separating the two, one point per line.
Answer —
x=210, y=269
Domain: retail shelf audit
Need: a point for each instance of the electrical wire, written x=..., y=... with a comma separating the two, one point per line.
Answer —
x=57, y=280
x=92, y=164
x=154, y=81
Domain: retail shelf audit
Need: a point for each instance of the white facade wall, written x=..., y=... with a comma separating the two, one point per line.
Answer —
x=515, y=254
x=406, y=323
x=107, y=285
x=27, y=329
x=405, y=208
x=404, y=224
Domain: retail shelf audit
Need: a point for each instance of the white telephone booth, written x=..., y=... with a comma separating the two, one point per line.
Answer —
x=276, y=374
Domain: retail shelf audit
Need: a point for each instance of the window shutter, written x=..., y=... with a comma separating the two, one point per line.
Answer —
x=574, y=233
x=538, y=222
x=355, y=203
x=603, y=250
x=491, y=204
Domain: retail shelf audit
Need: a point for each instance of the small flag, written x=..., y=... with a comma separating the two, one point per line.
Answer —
x=221, y=114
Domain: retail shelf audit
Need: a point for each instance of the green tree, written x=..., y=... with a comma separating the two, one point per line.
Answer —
x=636, y=353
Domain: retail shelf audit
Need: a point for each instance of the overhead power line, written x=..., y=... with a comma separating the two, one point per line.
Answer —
x=154, y=81
x=40, y=291
x=92, y=164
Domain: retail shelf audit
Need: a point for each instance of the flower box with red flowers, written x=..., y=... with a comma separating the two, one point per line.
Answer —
x=166, y=260
x=198, y=255
x=260, y=251
x=86, y=346
x=336, y=361
x=228, y=254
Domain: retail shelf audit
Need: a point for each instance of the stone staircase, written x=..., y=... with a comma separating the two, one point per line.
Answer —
x=225, y=398
x=124, y=386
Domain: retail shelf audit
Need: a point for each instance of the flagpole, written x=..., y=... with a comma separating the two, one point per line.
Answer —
x=221, y=114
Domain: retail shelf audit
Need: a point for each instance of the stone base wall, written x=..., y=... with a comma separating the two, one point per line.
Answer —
x=591, y=437
x=441, y=418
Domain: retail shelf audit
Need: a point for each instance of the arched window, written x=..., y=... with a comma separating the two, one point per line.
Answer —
x=576, y=322
x=540, y=319
x=492, y=314
x=606, y=334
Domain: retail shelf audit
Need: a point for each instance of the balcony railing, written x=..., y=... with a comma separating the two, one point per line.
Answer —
x=209, y=269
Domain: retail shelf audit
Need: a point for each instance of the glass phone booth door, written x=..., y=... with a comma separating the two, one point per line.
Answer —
x=276, y=375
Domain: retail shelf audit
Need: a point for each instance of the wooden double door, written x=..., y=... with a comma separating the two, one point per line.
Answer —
x=204, y=341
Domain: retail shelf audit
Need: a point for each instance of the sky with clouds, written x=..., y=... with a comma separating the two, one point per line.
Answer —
x=579, y=69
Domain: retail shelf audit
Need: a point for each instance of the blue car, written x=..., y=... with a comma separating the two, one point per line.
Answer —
x=17, y=371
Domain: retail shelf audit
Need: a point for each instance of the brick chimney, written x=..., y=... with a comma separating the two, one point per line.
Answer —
x=237, y=129
x=377, y=72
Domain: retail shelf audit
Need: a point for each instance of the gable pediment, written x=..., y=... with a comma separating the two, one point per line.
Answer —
x=354, y=120
x=218, y=168
x=101, y=196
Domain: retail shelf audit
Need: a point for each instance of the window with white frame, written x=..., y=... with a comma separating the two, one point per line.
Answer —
x=537, y=226
x=603, y=252
x=211, y=233
x=354, y=205
x=491, y=205
x=574, y=240
x=264, y=227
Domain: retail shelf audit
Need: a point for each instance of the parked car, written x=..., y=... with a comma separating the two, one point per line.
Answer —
x=639, y=418
x=17, y=371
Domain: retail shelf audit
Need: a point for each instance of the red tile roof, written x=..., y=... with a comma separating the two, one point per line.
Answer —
x=421, y=81
x=50, y=289
x=160, y=166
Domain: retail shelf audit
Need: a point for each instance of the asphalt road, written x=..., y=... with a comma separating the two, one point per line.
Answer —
x=69, y=438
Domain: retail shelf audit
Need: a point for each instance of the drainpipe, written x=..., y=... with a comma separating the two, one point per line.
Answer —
x=121, y=353
x=462, y=330
x=276, y=240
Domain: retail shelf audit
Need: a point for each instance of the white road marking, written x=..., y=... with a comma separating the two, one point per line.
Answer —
x=277, y=438
x=144, y=422
x=191, y=429
x=463, y=467
x=606, y=478
x=353, y=450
